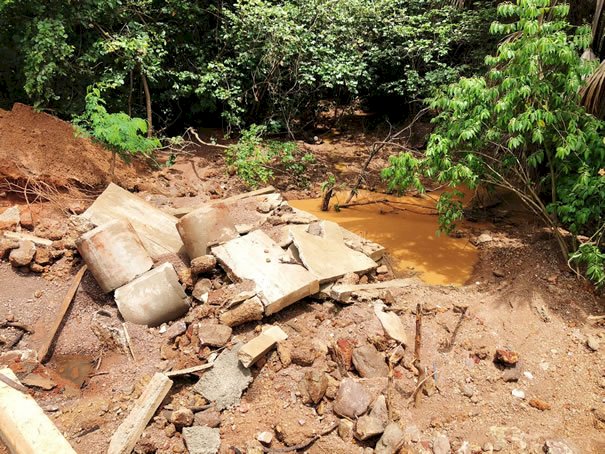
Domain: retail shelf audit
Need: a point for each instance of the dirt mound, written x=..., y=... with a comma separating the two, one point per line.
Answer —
x=39, y=147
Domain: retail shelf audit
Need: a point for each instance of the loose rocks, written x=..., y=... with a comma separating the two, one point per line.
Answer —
x=202, y=440
x=214, y=335
x=182, y=417
x=369, y=362
x=24, y=254
x=9, y=219
x=352, y=399
x=390, y=440
x=313, y=386
x=203, y=264
x=441, y=445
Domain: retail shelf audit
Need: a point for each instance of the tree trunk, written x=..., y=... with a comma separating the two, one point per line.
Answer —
x=147, y=104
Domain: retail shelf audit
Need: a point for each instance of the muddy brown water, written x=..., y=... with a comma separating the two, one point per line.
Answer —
x=407, y=228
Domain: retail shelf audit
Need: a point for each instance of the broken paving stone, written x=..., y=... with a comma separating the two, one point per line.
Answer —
x=24, y=254
x=369, y=362
x=506, y=357
x=202, y=440
x=391, y=323
x=326, y=256
x=176, y=329
x=261, y=344
x=441, y=444
x=214, y=334
x=226, y=381
x=248, y=311
x=203, y=264
x=182, y=417
x=391, y=439
x=352, y=399
x=279, y=284
x=209, y=418
x=313, y=386
x=367, y=427
x=9, y=219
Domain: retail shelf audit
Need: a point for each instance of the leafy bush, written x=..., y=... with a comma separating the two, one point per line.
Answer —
x=522, y=128
x=256, y=161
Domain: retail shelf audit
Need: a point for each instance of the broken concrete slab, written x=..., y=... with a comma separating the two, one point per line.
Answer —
x=261, y=344
x=326, y=256
x=155, y=228
x=226, y=381
x=391, y=323
x=343, y=292
x=114, y=254
x=153, y=298
x=256, y=257
x=18, y=236
x=202, y=439
x=358, y=243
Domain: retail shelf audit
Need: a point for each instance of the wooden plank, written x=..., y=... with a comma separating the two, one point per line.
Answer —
x=18, y=236
x=24, y=428
x=156, y=228
x=129, y=432
x=189, y=370
x=69, y=296
x=182, y=211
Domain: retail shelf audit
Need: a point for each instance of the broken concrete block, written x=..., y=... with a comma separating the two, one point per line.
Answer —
x=114, y=254
x=205, y=227
x=250, y=310
x=256, y=257
x=261, y=344
x=155, y=228
x=24, y=254
x=202, y=440
x=153, y=298
x=9, y=219
x=226, y=381
x=342, y=292
x=391, y=323
x=373, y=250
x=326, y=256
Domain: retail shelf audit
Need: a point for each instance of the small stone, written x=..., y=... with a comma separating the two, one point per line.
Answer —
x=506, y=357
x=383, y=269
x=441, y=445
x=487, y=447
x=352, y=399
x=284, y=351
x=412, y=434
x=201, y=289
x=468, y=390
x=593, y=343
x=202, y=440
x=265, y=438
x=343, y=352
x=170, y=430
x=303, y=355
x=176, y=329
x=345, y=429
x=214, y=334
x=24, y=254
x=498, y=272
x=369, y=362
x=379, y=410
x=391, y=439
x=209, y=418
x=484, y=238
x=518, y=393
x=557, y=447
x=313, y=386
x=6, y=246
x=367, y=427
x=203, y=264
x=513, y=374
x=182, y=417
x=9, y=219
x=539, y=404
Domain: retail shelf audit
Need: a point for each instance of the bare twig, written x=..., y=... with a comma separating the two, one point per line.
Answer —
x=417, y=363
x=194, y=133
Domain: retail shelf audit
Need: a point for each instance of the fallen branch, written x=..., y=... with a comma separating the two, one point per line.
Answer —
x=208, y=144
x=22, y=326
x=13, y=384
x=303, y=445
x=417, y=364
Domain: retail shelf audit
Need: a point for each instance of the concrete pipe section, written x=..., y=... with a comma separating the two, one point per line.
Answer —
x=114, y=254
x=205, y=227
x=153, y=298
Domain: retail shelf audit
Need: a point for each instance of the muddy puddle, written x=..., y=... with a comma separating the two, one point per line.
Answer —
x=407, y=227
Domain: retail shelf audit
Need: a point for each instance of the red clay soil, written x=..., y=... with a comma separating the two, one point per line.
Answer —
x=39, y=147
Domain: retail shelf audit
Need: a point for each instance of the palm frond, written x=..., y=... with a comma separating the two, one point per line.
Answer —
x=593, y=93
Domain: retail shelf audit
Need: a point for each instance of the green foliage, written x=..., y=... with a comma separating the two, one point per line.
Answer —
x=521, y=127
x=121, y=133
x=255, y=161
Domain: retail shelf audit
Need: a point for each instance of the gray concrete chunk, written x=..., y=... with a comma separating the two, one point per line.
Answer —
x=202, y=440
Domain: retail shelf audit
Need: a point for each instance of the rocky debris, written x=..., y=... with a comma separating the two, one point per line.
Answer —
x=367, y=427
x=209, y=418
x=248, y=311
x=342, y=350
x=441, y=444
x=201, y=290
x=265, y=438
x=284, y=351
x=36, y=380
x=24, y=254
x=257, y=347
x=539, y=404
x=182, y=417
x=557, y=447
x=391, y=440
x=391, y=323
x=518, y=393
x=109, y=330
x=50, y=229
x=514, y=373
x=43, y=255
x=203, y=264
x=303, y=354
x=506, y=357
x=357, y=243
x=593, y=343
x=345, y=293
x=10, y=218
x=468, y=390
x=202, y=440
x=226, y=381
x=7, y=245
x=176, y=329
x=345, y=429
x=485, y=237
x=352, y=399
x=369, y=362
x=214, y=334
x=313, y=386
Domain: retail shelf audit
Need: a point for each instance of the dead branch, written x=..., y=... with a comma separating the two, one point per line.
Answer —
x=422, y=376
x=194, y=133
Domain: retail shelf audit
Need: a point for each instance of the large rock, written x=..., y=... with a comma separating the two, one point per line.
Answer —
x=24, y=254
x=367, y=427
x=369, y=362
x=9, y=218
x=205, y=227
x=226, y=381
x=255, y=256
x=202, y=440
x=313, y=386
x=391, y=439
x=327, y=256
x=352, y=399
